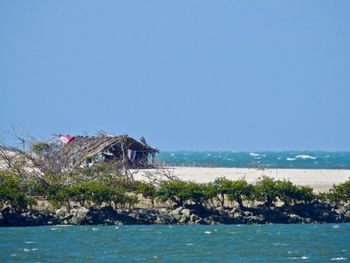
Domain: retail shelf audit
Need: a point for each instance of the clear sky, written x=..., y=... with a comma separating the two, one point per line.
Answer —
x=187, y=75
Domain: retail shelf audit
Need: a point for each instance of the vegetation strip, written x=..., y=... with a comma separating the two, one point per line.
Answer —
x=97, y=190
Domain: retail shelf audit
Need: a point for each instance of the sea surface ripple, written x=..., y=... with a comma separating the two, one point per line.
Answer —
x=177, y=243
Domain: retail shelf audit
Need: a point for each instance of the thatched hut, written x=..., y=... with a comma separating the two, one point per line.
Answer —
x=124, y=150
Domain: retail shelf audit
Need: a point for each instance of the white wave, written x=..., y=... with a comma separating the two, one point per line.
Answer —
x=336, y=226
x=30, y=242
x=302, y=157
x=254, y=154
x=305, y=157
x=340, y=258
x=303, y=257
x=207, y=232
x=280, y=244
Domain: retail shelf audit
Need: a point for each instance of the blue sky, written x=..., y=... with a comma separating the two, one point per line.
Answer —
x=187, y=75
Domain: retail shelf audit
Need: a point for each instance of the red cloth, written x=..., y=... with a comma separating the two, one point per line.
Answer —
x=67, y=138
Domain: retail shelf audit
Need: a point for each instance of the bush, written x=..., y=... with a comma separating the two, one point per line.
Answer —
x=148, y=191
x=180, y=192
x=266, y=190
x=221, y=186
x=290, y=193
x=11, y=193
x=269, y=190
x=239, y=190
x=340, y=192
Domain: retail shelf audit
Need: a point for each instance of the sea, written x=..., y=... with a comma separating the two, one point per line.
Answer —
x=265, y=159
x=177, y=243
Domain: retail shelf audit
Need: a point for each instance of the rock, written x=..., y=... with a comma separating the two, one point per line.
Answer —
x=159, y=221
x=177, y=217
x=307, y=220
x=183, y=219
x=246, y=214
x=236, y=214
x=177, y=211
x=201, y=222
x=1, y=219
x=62, y=213
x=186, y=212
x=163, y=211
x=194, y=218
x=293, y=219
x=79, y=215
x=276, y=216
x=256, y=219
x=118, y=223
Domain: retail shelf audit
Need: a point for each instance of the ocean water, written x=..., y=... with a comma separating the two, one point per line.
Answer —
x=177, y=243
x=288, y=159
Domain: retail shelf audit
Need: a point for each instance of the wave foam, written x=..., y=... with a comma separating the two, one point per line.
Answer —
x=305, y=157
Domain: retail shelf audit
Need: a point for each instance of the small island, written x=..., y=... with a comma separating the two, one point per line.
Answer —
x=91, y=181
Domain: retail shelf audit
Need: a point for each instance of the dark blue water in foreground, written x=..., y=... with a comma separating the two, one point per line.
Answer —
x=219, y=243
x=290, y=159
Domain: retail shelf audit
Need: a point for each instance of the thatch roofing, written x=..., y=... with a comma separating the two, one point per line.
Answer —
x=82, y=147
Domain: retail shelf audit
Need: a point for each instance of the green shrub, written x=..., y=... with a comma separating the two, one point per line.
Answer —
x=269, y=190
x=266, y=190
x=340, y=192
x=290, y=193
x=221, y=186
x=239, y=190
x=11, y=193
x=148, y=191
x=180, y=192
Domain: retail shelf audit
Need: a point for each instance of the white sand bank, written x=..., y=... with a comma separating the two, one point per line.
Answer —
x=319, y=179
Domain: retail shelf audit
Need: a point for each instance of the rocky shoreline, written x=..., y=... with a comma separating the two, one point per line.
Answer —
x=313, y=213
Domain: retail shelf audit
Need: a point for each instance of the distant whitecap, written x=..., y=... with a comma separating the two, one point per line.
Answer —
x=305, y=157
x=338, y=259
x=207, y=232
x=279, y=244
x=30, y=242
x=303, y=257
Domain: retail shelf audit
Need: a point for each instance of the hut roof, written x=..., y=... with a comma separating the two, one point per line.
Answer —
x=82, y=147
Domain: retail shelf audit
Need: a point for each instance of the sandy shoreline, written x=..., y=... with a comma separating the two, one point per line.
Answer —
x=319, y=179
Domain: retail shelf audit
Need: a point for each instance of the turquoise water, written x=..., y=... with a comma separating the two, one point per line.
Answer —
x=289, y=159
x=187, y=243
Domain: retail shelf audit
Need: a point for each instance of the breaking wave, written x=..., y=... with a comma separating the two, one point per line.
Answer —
x=312, y=160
